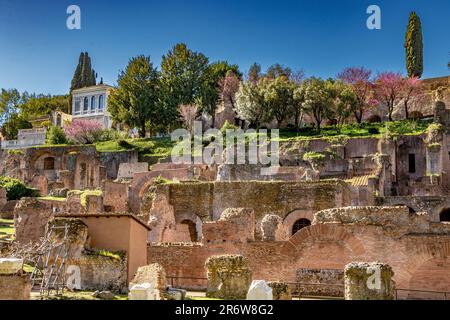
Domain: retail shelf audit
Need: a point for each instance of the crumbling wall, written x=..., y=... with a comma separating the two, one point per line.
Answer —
x=326, y=282
x=155, y=275
x=229, y=277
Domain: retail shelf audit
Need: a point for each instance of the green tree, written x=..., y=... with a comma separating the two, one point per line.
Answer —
x=344, y=101
x=84, y=75
x=136, y=101
x=278, y=96
x=318, y=98
x=182, y=78
x=250, y=104
x=414, y=46
x=254, y=73
x=210, y=92
x=298, y=103
x=277, y=70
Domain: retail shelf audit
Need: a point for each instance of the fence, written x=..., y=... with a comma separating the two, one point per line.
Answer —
x=413, y=294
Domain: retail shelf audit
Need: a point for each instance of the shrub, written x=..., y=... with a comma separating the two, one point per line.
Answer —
x=16, y=189
x=108, y=135
x=83, y=131
x=124, y=144
x=56, y=135
x=373, y=130
x=314, y=157
x=228, y=126
x=374, y=119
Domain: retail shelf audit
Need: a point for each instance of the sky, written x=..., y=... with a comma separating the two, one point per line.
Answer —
x=38, y=53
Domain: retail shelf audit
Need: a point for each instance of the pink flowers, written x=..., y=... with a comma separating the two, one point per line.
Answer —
x=83, y=131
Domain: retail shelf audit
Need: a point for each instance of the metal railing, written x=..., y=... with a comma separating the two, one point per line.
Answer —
x=422, y=294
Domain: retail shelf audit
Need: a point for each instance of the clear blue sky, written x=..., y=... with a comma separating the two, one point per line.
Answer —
x=39, y=54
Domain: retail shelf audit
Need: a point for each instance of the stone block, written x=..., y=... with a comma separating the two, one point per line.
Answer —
x=259, y=290
x=229, y=277
x=144, y=291
x=368, y=281
x=280, y=290
x=10, y=266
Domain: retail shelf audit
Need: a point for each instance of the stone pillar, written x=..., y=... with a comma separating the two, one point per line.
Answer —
x=368, y=281
x=280, y=290
x=229, y=277
x=13, y=285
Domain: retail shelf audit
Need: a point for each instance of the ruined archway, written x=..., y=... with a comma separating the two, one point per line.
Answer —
x=300, y=224
x=444, y=216
x=296, y=216
x=192, y=229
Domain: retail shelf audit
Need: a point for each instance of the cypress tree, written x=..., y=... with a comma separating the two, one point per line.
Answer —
x=84, y=75
x=414, y=46
x=76, y=80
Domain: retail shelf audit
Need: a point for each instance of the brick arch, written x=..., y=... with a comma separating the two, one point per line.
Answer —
x=424, y=253
x=330, y=232
x=294, y=216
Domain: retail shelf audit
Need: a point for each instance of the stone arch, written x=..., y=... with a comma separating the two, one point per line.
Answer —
x=49, y=163
x=300, y=224
x=194, y=224
x=431, y=275
x=328, y=232
x=294, y=216
x=444, y=215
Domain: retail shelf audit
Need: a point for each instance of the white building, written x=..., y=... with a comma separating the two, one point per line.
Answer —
x=91, y=103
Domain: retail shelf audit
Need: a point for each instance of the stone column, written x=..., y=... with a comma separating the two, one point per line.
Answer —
x=368, y=281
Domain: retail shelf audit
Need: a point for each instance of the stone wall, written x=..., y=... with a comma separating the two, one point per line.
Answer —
x=112, y=160
x=14, y=287
x=408, y=242
x=208, y=200
x=325, y=282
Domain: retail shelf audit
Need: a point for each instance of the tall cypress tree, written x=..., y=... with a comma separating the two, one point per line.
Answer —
x=414, y=46
x=84, y=75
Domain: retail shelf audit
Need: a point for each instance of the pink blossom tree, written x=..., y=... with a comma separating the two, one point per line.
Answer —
x=412, y=91
x=388, y=90
x=188, y=113
x=83, y=131
x=360, y=79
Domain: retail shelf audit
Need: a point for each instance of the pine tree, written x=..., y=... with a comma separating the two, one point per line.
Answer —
x=414, y=46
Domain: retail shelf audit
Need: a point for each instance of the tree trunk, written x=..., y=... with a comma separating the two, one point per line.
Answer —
x=358, y=116
x=213, y=118
x=142, y=131
x=406, y=109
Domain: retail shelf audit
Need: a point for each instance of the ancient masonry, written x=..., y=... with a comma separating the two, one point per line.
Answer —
x=370, y=221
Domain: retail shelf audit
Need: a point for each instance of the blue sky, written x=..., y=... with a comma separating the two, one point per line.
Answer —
x=39, y=54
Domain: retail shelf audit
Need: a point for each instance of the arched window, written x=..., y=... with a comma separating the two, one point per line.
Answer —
x=77, y=105
x=300, y=224
x=445, y=215
x=49, y=163
x=192, y=229
x=86, y=104
x=100, y=103
x=93, y=104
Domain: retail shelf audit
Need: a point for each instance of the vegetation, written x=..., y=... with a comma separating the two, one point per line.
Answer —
x=7, y=229
x=56, y=136
x=145, y=147
x=84, y=75
x=16, y=189
x=414, y=46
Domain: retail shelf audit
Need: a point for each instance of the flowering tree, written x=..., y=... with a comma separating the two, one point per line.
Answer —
x=83, y=131
x=360, y=79
x=412, y=91
x=229, y=86
x=388, y=90
x=188, y=113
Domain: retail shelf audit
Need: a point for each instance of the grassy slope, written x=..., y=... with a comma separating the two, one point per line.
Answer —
x=161, y=147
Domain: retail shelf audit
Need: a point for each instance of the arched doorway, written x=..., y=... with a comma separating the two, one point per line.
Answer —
x=444, y=216
x=300, y=224
x=192, y=229
x=49, y=163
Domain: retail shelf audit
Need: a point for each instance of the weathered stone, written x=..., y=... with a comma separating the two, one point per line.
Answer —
x=229, y=277
x=143, y=291
x=103, y=295
x=280, y=290
x=259, y=290
x=176, y=294
x=155, y=275
x=10, y=266
x=368, y=281
x=15, y=287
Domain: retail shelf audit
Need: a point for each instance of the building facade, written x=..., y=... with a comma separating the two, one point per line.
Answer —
x=91, y=103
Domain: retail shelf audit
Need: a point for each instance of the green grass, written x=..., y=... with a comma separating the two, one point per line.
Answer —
x=81, y=295
x=7, y=231
x=48, y=198
x=145, y=147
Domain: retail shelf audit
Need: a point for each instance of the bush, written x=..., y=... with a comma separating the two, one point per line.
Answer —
x=374, y=119
x=108, y=135
x=373, y=130
x=124, y=144
x=228, y=126
x=56, y=135
x=83, y=131
x=16, y=189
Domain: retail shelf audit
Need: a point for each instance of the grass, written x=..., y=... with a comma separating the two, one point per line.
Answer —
x=80, y=295
x=49, y=198
x=7, y=229
x=145, y=147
